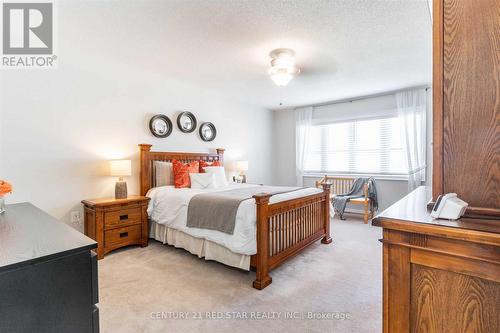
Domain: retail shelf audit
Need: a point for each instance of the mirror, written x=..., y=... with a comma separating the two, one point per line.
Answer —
x=160, y=126
x=186, y=121
x=208, y=132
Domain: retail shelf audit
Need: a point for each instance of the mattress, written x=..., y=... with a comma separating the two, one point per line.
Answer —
x=168, y=206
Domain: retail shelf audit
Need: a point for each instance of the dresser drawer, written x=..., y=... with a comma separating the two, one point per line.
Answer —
x=122, y=236
x=122, y=217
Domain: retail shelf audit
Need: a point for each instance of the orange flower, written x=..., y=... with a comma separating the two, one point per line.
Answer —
x=5, y=187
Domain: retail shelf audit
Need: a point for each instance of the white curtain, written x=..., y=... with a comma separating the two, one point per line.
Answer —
x=303, y=119
x=412, y=109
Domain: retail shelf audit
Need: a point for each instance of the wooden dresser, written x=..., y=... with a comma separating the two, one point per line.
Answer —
x=116, y=223
x=439, y=275
x=48, y=274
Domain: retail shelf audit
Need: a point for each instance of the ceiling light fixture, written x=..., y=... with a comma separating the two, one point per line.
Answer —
x=283, y=67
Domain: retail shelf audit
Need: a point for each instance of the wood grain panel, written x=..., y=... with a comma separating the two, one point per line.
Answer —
x=437, y=99
x=471, y=101
x=396, y=284
x=449, y=302
x=122, y=217
x=120, y=237
x=482, y=269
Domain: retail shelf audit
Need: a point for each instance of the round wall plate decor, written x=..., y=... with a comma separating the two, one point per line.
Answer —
x=161, y=126
x=186, y=121
x=208, y=132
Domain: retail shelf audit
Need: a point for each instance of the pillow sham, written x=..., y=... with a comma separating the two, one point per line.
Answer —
x=220, y=175
x=202, y=180
x=182, y=171
x=164, y=173
x=204, y=164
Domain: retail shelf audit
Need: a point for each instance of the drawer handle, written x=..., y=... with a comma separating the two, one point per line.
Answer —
x=123, y=234
x=123, y=217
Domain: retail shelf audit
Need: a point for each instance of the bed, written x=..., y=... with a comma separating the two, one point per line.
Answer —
x=268, y=230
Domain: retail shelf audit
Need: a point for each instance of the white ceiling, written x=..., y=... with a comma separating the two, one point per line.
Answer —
x=344, y=48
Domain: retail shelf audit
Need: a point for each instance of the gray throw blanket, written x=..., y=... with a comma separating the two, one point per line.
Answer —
x=217, y=210
x=356, y=191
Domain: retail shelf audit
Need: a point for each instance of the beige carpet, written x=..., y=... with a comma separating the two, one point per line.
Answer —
x=150, y=289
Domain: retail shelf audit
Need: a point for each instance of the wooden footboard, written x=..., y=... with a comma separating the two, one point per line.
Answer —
x=285, y=228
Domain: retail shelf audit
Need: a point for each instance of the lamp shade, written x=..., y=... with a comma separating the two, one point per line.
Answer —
x=242, y=166
x=120, y=168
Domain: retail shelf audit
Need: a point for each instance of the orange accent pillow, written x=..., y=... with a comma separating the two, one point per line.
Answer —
x=207, y=164
x=182, y=171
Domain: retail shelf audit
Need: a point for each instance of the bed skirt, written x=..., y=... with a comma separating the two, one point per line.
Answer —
x=201, y=247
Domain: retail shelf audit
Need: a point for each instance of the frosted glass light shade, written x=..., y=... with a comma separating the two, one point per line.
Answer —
x=242, y=166
x=120, y=168
x=281, y=79
x=283, y=67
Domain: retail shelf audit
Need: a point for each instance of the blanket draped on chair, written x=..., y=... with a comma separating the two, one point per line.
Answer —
x=357, y=191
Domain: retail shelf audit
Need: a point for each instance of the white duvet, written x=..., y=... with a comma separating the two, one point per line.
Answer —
x=168, y=206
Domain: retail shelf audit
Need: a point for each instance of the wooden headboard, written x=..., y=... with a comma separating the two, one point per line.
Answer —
x=147, y=157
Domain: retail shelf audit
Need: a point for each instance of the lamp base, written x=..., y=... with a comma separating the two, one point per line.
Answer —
x=240, y=179
x=121, y=190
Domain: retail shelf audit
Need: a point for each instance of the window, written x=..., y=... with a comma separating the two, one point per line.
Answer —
x=373, y=146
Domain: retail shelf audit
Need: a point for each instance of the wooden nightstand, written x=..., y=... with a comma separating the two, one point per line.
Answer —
x=114, y=223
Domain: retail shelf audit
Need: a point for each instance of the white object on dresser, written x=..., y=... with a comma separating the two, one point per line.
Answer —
x=449, y=206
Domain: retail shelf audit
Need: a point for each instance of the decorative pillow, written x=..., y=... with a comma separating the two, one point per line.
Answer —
x=220, y=175
x=182, y=171
x=164, y=173
x=202, y=180
x=204, y=164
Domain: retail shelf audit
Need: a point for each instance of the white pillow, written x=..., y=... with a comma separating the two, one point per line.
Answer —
x=202, y=180
x=220, y=175
x=164, y=173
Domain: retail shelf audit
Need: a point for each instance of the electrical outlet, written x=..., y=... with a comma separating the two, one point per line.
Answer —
x=75, y=217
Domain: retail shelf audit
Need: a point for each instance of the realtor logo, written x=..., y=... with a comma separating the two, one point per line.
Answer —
x=28, y=29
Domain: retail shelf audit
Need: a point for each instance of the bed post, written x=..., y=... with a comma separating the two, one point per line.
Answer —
x=145, y=165
x=262, y=279
x=326, y=190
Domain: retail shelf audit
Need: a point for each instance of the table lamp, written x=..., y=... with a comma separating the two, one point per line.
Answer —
x=242, y=168
x=120, y=168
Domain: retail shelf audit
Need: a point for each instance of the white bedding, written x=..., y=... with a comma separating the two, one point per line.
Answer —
x=168, y=206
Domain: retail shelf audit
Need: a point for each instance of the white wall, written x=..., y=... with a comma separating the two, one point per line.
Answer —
x=59, y=127
x=389, y=191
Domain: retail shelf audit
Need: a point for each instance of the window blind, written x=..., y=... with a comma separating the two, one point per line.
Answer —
x=367, y=146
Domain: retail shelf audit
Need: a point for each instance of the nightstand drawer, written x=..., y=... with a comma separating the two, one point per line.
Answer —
x=122, y=236
x=122, y=217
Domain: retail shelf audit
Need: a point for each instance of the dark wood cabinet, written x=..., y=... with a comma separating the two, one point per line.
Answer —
x=48, y=274
x=466, y=100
